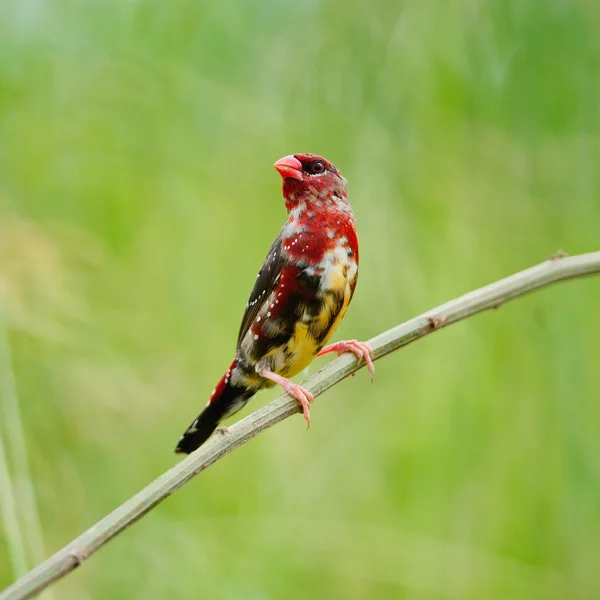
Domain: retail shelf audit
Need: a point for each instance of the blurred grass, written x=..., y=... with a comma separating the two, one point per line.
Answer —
x=137, y=201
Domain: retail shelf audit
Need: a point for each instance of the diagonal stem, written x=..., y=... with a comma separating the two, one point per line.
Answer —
x=556, y=269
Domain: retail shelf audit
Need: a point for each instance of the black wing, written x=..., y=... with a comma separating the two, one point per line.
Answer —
x=265, y=282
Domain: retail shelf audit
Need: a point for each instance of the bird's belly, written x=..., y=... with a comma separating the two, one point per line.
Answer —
x=299, y=354
x=312, y=331
x=294, y=356
x=298, y=319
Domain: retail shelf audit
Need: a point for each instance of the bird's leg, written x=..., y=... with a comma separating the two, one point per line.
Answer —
x=360, y=349
x=293, y=389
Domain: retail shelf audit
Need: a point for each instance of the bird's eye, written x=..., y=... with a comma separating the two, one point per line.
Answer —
x=317, y=167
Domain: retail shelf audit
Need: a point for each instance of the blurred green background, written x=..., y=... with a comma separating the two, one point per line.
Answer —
x=138, y=200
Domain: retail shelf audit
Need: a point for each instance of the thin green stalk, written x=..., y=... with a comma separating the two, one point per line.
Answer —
x=19, y=508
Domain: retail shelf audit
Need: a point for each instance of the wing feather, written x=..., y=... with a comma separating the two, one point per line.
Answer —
x=265, y=282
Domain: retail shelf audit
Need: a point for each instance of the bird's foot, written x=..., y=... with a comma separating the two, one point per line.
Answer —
x=294, y=390
x=360, y=349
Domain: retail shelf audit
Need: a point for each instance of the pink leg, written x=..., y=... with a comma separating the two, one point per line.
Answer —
x=294, y=390
x=360, y=349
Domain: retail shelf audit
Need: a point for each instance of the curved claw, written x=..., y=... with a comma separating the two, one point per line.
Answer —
x=303, y=396
x=294, y=390
x=361, y=350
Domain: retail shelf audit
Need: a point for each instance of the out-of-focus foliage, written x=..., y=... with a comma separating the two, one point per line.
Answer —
x=137, y=201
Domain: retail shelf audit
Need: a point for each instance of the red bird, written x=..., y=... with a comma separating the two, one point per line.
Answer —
x=300, y=296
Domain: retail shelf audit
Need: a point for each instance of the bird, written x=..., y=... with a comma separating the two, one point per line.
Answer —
x=300, y=295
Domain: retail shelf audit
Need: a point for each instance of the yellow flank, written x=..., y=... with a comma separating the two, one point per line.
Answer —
x=304, y=344
x=340, y=315
x=304, y=349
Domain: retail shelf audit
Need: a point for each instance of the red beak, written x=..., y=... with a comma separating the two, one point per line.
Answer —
x=289, y=166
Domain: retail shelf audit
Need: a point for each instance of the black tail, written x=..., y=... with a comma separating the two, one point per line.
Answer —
x=226, y=400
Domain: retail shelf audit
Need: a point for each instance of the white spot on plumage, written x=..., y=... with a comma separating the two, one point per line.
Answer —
x=255, y=336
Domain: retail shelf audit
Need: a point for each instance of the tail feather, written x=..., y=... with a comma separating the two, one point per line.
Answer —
x=225, y=400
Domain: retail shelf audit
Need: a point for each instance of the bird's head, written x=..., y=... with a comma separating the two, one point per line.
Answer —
x=309, y=178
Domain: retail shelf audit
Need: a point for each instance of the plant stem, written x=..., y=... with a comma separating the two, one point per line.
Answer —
x=556, y=269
